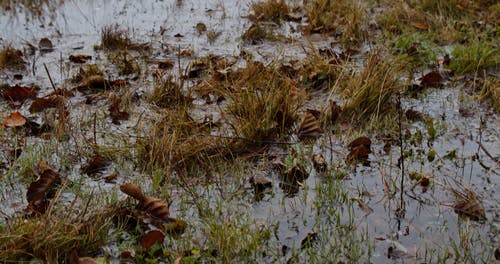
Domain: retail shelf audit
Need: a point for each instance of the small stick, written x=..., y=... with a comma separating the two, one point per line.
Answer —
x=95, y=133
x=50, y=78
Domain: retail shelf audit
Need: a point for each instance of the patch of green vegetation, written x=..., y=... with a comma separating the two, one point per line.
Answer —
x=474, y=57
x=415, y=50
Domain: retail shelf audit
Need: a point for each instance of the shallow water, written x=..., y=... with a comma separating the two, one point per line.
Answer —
x=74, y=27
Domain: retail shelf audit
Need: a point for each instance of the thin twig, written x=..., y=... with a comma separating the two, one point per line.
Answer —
x=50, y=78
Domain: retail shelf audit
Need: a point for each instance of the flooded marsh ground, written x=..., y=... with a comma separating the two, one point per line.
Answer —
x=243, y=131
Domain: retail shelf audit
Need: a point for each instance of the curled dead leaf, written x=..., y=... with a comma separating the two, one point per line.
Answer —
x=309, y=126
x=132, y=190
x=153, y=206
x=15, y=119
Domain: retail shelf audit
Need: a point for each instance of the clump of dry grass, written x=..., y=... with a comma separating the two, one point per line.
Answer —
x=270, y=10
x=178, y=143
x=113, y=37
x=372, y=92
x=341, y=18
x=167, y=92
x=53, y=237
x=11, y=58
x=263, y=102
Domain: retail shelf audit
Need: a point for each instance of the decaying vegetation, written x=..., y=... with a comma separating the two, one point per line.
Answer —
x=147, y=152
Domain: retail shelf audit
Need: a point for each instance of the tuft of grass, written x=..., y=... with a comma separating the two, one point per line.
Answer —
x=270, y=10
x=341, y=18
x=474, y=57
x=11, y=58
x=373, y=91
x=263, y=103
x=113, y=37
x=167, y=92
x=54, y=236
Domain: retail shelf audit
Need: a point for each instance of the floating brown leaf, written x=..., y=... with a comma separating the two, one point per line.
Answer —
x=360, y=141
x=19, y=93
x=45, y=45
x=309, y=126
x=41, y=104
x=79, y=58
x=151, y=238
x=97, y=164
x=432, y=79
x=15, y=119
x=40, y=190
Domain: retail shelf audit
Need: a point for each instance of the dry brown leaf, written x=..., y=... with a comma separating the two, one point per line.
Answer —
x=79, y=58
x=151, y=238
x=360, y=141
x=41, y=104
x=432, y=79
x=150, y=205
x=97, y=164
x=132, y=190
x=309, y=126
x=39, y=191
x=19, y=93
x=420, y=25
x=15, y=119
